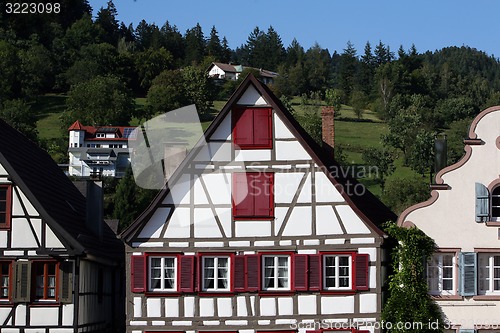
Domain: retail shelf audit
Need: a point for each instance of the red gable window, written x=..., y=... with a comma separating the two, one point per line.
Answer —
x=253, y=195
x=252, y=128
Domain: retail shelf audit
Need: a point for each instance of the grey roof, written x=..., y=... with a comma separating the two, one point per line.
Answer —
x=53, y=195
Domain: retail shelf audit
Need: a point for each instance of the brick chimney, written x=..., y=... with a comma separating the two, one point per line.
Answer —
x=328, y=129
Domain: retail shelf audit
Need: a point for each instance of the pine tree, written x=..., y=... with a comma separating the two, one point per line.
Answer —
x=214, y=47
x=195, y=45
x=226, y=51
x=348, y=69
x=106, y=19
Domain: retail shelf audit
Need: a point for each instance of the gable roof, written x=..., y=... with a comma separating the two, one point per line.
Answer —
x=366, y=205
x=225, y=67
x=52, y=194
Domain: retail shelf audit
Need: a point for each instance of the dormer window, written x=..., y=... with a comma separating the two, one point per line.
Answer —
x=100, y=135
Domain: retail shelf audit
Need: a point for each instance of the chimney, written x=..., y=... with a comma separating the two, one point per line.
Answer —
x=173, y=155
x=328, y=129
x=95, y=205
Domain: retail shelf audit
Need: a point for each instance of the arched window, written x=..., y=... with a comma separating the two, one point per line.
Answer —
x=495, y=203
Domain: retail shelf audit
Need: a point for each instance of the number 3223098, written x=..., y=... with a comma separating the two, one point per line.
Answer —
x=32, y=8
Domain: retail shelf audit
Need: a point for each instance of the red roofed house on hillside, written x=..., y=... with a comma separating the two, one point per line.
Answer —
x=101, y=149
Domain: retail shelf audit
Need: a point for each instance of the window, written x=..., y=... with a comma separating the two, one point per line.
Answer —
x=45, y=280
x=216, y=274
x=495, y=204
x=253, y=195
x=276, y=272
x=4, y=280
x=162, y=274
x=441, y=274
x=100, y=135
x=5, y=205
x=252, y=128
x=489, y=273
x=337, y=272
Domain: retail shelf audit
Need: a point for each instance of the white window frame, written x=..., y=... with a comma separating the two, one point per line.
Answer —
x=215, y=273
x=490, y=257
x=100, y=135
x=162, y=275
x=494, y=218
x=337, y=271
x=275, y=273
x=440, y=277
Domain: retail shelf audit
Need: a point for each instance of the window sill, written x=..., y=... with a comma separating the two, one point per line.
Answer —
x=215, y=293
x=163, y=294
x=492, y=223
x=254, y=218
x=276, y=293
x=486, y=298
x=447, y=297
x=44, y=303
x=238, y=147
x=337, y=292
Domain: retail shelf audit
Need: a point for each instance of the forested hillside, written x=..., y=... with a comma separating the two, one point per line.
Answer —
x=100, y=66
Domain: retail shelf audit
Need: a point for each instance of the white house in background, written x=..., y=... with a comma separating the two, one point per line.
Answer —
x=60, y=264
x=463, y=218
x=257, y=231
x=219, y=70
x=101, y=149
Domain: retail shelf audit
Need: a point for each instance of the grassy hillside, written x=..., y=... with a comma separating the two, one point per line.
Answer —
x=351, y=134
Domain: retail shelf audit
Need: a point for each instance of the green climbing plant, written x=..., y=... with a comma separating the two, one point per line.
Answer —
x=409, y=307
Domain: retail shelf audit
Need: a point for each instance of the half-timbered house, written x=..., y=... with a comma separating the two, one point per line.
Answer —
x=60, y=265
x=258, y=230
x=463, y=218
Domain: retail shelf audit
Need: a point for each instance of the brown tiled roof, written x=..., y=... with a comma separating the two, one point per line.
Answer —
x=53, y=195
x=225, y=67
x=364, y=203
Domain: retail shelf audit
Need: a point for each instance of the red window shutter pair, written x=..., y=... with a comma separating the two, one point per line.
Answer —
x=186, y=268
x=246, y=273
x=314, y=277
x=253, y=195
x=252, y=128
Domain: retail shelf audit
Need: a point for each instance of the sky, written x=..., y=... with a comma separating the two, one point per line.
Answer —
x=429, y=24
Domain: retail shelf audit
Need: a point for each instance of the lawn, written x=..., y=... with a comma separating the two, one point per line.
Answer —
x=48, y=109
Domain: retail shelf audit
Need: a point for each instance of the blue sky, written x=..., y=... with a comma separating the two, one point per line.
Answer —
x=429, y=24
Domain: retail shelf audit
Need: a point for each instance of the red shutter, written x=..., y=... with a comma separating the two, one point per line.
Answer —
x=252, y=272
x=262, y=128
x=187, y=272
x=315, y=272
x=243, y=199
x=138, y=274
x=300, y=271
x=264, y=196
x=239, y=273
x=243, y=127
x=361, y=262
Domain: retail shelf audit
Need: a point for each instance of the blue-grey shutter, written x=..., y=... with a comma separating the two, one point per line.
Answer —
x=482, y=203
x=468, y=273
